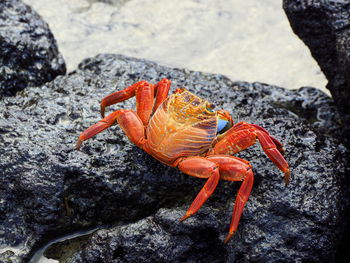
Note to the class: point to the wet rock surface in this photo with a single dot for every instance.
(48, 189)
(28, 51)
(324, 26)
(158, 238)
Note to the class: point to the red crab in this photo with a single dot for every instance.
(184, 131)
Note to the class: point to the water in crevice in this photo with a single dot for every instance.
(60, 249)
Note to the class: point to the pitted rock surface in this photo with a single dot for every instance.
(324, 26)
(28, 51)
(49, 189)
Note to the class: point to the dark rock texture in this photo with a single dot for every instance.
(28, 51)
(324, 26)
(158, 238)
(48, 189)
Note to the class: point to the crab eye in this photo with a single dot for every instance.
(180, 90)
(223, 125)
(210, 107)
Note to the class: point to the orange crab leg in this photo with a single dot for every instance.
(238, 138)
(162, 90)
(144, 101)
(241, 200)
(274, 154)
(235, 169)
(120, 96)
(278, 144)
(243, 135)
(128, 121)
(131, 123)
(230, 168)
(202, 168)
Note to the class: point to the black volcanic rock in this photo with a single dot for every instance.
(158, 238)
(48, 189)
(28, 51)
(324, 26)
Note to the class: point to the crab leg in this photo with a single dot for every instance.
(235, 169)
(243, 135)
(120, 96)
(202, 168)
(144, 101)
(162, 90)
(231, 169)
(274, 154)
(146, 94)
(128, 120)
(278, 144)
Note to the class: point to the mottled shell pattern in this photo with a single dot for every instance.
(183, 125)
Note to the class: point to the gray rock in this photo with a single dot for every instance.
(324, 26)
(48, 189)
(28, 51)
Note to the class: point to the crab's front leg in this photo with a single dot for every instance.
(243, 135)
(128, 120)
(132, 123)
(120, 96)
(145, 93)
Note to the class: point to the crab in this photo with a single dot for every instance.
(184, 131)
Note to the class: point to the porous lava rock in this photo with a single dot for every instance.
(48, 189)
(324, 26)
(28, 51)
